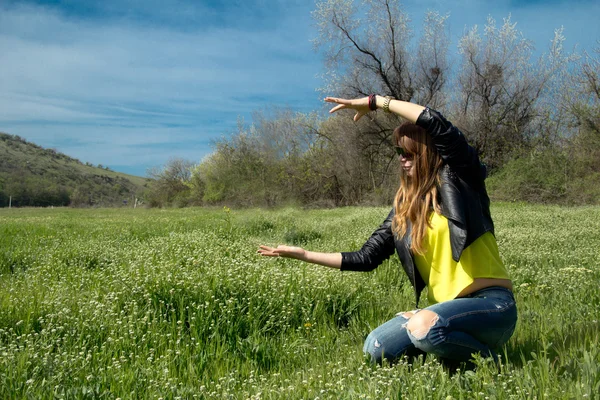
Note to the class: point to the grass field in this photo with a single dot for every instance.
(176, 304)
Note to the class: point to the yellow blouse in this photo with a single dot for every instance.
(445, 277)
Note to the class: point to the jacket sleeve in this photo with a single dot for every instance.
(451, 144)
(378, 248)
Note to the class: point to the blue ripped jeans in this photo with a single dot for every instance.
(478, 323)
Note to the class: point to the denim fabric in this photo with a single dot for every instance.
(478, 323)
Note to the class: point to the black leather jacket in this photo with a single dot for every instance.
(463, 197)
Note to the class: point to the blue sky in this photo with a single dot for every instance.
(131, 83)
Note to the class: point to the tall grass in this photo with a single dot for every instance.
(176, 304)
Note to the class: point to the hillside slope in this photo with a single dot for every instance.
(34, 176)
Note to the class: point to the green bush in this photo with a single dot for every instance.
(584, 190)
(541, 177)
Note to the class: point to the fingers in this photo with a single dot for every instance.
(342, 103)
(358, 116)
(280, 251)
(267, 251)
(336, 100)
(356, 104)
(336, 108)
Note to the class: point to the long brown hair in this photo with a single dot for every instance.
(417, 196)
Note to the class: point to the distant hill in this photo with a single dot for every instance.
(39, 177)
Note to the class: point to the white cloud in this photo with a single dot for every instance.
(119, 83)
(132, 72)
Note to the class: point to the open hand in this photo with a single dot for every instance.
(360, 105)
(282, 251)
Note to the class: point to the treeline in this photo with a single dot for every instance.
(31, 176)
(534, 121)
(88, 190)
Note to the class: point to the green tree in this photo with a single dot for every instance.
(501, 90)
(171, 185)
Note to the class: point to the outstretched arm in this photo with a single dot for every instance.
(379, 247)
(332, 260)
(447, 139)
(405, 109)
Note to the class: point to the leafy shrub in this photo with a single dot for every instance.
(540, 177)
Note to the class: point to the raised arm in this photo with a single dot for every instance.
(447, 139)
(450, 142)
(405, 109)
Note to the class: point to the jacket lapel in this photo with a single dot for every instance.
(408, 262)
(453, 208)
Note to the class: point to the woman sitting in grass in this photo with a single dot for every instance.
(442, 230)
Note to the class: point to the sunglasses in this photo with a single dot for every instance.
(403, 153)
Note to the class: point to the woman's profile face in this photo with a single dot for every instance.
(406, 160)
(407, 165)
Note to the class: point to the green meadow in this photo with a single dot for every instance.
(176, 304)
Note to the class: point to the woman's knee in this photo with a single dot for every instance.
(420, 324)
(388, 340)
(419, 330)
(373, 348)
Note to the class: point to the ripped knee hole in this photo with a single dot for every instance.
(420, 325)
